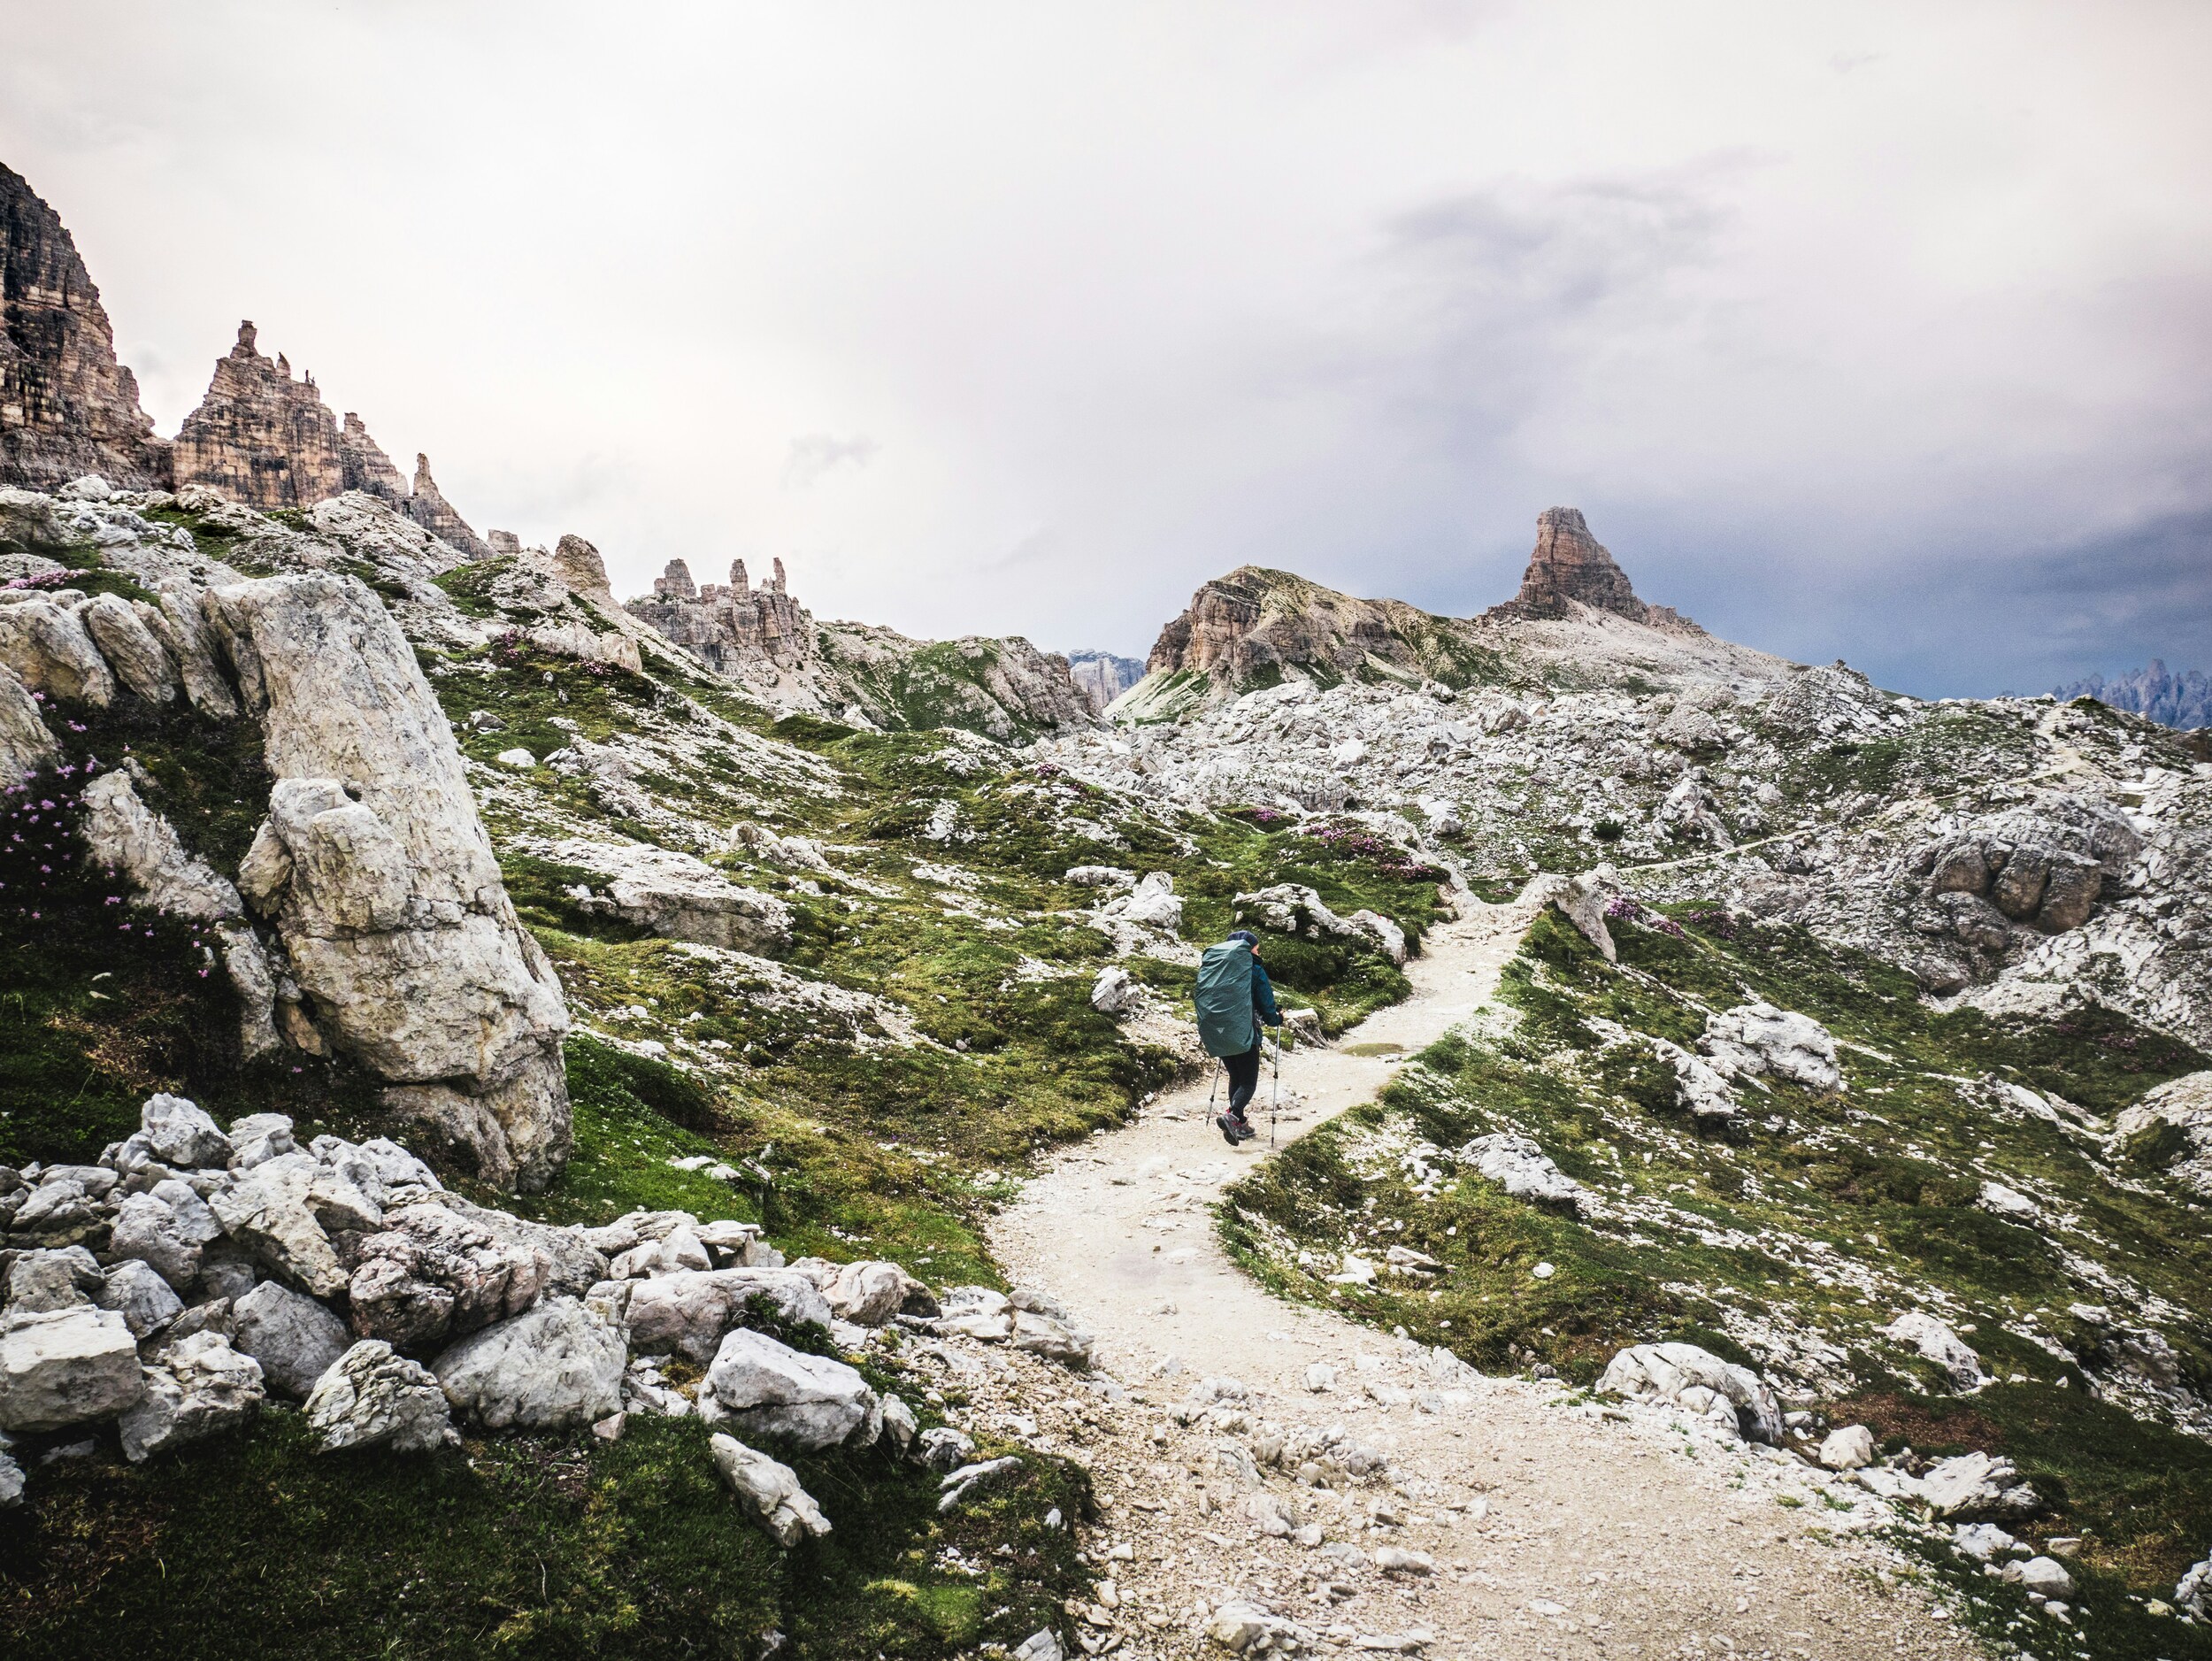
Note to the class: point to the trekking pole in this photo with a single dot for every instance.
(1275, 1102)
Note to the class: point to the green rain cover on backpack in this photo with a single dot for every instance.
(1224, 999)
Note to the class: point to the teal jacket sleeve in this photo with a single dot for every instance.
(1263, 998)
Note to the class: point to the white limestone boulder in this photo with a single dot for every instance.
(679, 896)
(689, 1313)
(179, 1133)
(870, 1292)
(1935, 1340)
(762, 1387)
(169, 1226)
(771, 1488)
(1971, 1487)
(382, 882)
(295, 1339)
(267, 1212)
(1849, 1447)
(373, 1396)
(65, 1367)
(25, 745)
(1734, 1397)
(431, 1274)
(1117, 992)
(199, 1386)
(1756, 1039)
(53, 1279)
(554, 1367)
(135, 1291)
(1524, 1171)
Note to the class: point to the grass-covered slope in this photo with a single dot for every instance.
(1789, 1239)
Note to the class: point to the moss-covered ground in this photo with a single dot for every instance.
(1791, 1237)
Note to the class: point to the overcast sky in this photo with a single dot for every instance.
(1878, 331)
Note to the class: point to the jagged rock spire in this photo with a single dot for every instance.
(1572, 567)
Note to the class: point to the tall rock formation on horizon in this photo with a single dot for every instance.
(429, 509)
(67, 408)
(1570, 567)
(1102, 677)
(268, 441)
(732, 627)
(262, 438)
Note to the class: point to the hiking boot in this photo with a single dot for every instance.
(1241, 1127)
(1228, 1128)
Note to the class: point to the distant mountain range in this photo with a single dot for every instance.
(2171, 700)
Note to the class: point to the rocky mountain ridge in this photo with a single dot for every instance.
(2182, 701)
(1576, 622)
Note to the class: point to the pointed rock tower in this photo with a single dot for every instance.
(1570, 567)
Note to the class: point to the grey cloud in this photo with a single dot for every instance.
(814, 454)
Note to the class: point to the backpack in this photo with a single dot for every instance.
(1224, 999)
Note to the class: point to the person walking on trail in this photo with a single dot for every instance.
(1233, 1000)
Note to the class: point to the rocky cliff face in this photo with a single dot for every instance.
(1102, 677)
(1571, 568)
(749, 634)
(66, 407)
(1253, 626)
(262, 438)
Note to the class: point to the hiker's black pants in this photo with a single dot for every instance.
(1244, 1078)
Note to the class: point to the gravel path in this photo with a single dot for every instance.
(1535, 1525)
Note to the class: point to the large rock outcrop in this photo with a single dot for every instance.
(1249, 626)
(265, 438)
(1570, 567)
(262, 438)
(66, 407)
(733, 628)
(429, 509)
(382, 883)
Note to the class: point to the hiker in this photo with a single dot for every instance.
(1233, 999)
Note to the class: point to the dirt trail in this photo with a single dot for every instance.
(1555, 1529)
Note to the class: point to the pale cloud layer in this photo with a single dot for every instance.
(1873, 330)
